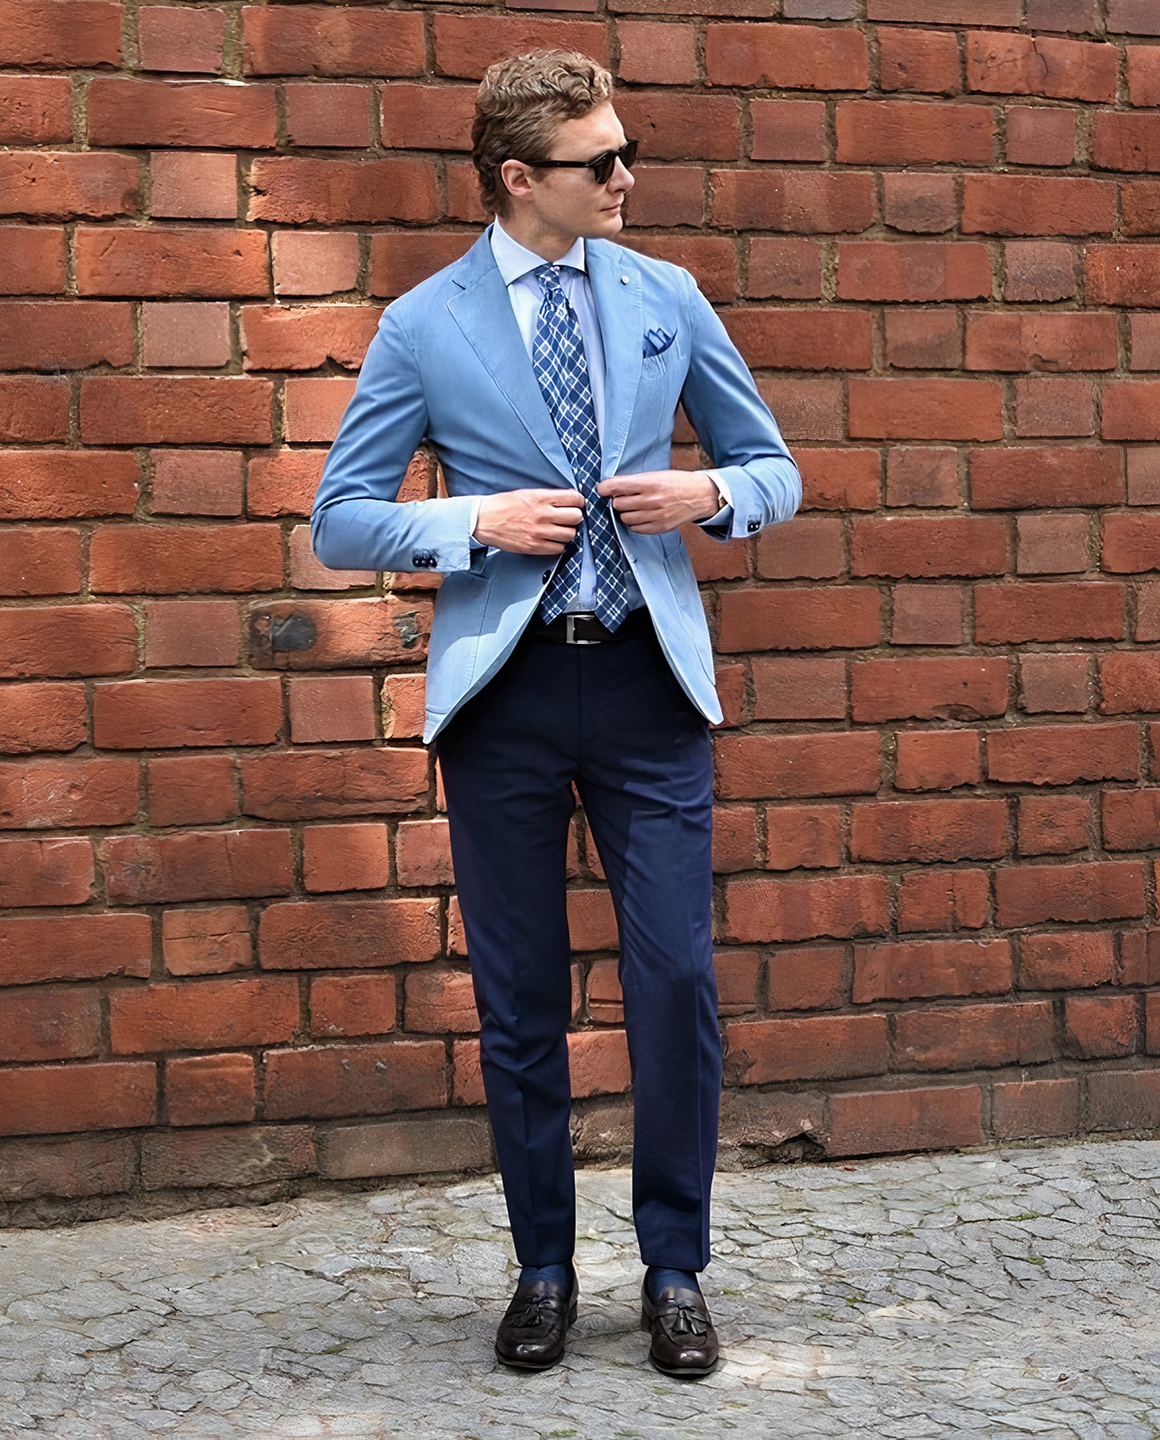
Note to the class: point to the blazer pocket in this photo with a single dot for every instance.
(656, 342)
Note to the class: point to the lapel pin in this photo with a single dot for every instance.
(624, 279)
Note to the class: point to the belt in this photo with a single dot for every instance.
(581, 627)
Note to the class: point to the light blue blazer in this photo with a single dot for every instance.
(448, 365)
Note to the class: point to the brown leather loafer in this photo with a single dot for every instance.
(684, 1343)
(532, 1333)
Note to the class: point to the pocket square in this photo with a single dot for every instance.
(656, 341)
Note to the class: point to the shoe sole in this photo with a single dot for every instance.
(541, 1364)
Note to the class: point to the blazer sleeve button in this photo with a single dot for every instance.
(753, 525)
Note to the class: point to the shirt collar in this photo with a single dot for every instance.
(515, 261)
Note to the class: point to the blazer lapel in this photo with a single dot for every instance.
(483, 312)
(621, 311)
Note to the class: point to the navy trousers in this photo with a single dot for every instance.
(612, 720)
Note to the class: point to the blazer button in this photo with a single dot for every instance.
(753, 525)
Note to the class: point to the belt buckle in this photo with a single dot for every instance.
(570, 637)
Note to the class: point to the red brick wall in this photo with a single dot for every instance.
(230, 937)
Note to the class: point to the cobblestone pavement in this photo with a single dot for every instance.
(988, 1294)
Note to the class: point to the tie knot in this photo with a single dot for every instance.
(549, 278)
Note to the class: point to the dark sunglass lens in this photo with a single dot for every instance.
(603, 167)
(628, 154)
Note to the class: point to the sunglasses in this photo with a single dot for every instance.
(602, 167)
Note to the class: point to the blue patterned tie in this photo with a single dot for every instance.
(562, 370)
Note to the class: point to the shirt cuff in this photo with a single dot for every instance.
(476, 505)
(724, 516)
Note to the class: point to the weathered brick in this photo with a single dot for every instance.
(1047, 340)
(144, 410)
(33, 259)
(808, 1048)
(974, 1036)
(36, 948)
(809, 979)
(1062, 754)
(83, 639)
(1093, 891)
(1054, 683)
(192, 790)
(313, 784)
(198, 865)
(928, 830)
(124, 111)
(1131, 819)
(913, 270)
(898, 409)
(207, 942)
(42, 717)
(40, 562)
(789, 766)
(166, 714)
(924, 969)
(207, 1015)
(902, 132)
(1010, 614)
(104, 1165)
(944, 900)
(68, 184)
(803, 837)
(46, 794)
(1054, 824)
(1041, 65)
(926, 61)
(959, 688)
(799, 57)
(221, 1156)
(875, 1122)
(810, 203)
(188, 41)
(329, 934)
(937, 759)
(799, 689)
(355, 1079)
(352, 1004)
(758, 911)
(1099, 1026)
(101, 1095)
(1053, 544)
(845, 617)
(1066, 960)
(296, 190)
(1037, 205)
(927, 615)
(210, 1090)
(1040, 475)
(1040, 136)
(1026, 1109)
(35, 109)
(321, 40)
(811, 339)
(924, 546)
(49, 1024)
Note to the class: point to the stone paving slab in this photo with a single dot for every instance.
(1003, 1293)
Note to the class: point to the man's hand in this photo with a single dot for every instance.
(660, 500)
(530, 522)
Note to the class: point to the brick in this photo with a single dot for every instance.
(399, 262)
(124, 111)
(806, 619)
(315, 784)
(423, 853)
(819, 9)
(334, 934)
(652, 54)
(295, 190)
(32, 258)
(1129, 682)
(440, 1002)
(226, 1157)
(713, 560)
(283, 482)
(1145, 332)
(192, 186)
(925, 547)
(926, 61)
(802, 340)
(924, 969)
(345, 857)
(929, 830)
(1123, 141)
(334, 707)
(466, 45)
(280, 337)
(1132, 17)
(798, 57)
(974, 1036)
(884, 1122)
(1131, 819)
(591, 920)
(319, 40)
(49, 1024)
(598, 1063)
(325, 634)
(62, 186)
(925, 409)
(803, 837)
(682, 127)
(463, 202)
(1062, 754)
(1039, 270)
(197, 482)
(937, 759)
(1014, 478)
(734, 839)
(759, 911)
(946, 12)
(1099, 1026)
(404, 706)
(1041, 65)
(806, 409)
(36, 948)
(924, 339)
(786, 268)
(187, 41)
(1143, 75)
(759, 1052)
(903, 132)
(1130, 410)
(1066, 960)
(736, 973)
(102, 1095)
(191, 632)
(1039, 136)
(186, 335)
(210, 1090)
(810, 979)
(352, 1005)
(192, 790)
(315, 263)
(811, 549)
(927, 615)
(1143, 475)
(329, 115)
(1148, 612)
(1053, 824)
(355, 1079)
(78, 32)
(605, 999)
(30, 1169)
(313, 409)
(1049, 340)
(791, 766)
(1140, 200)
(1054, 683)
(212, 1014)
(1027, 1109)
(426, 117)
(922, 476)
(959, 688)
(40, 562)
(1076, 16)
(839, 479)
(67, 640)
(1091, 891)
(33, 410)
(136, 410)
(920, 204)
(198, 865)
(1052, 544)
(47, 794)
(1123, 1100)
(171, 261)
(35, 109)
(944, 900)
(1139, 958)
(46, 716)
(1062, 611)
(165, 714)
(1054, 407)
(913, 270)
(809, 203)
(710, 259)
(799, 689)
(1033, 205)
(406, 1147)
(207, 942)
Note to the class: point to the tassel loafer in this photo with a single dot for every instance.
(532, 1333)
(684, 1342)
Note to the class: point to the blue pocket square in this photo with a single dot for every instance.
(656, 341)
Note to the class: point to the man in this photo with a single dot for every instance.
(569, 646)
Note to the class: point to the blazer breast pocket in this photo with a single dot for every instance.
(656, 342)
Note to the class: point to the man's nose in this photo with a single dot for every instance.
(622, 177)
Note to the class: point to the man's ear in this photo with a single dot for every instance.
(516, 177)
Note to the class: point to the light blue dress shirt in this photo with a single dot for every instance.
(517, 265)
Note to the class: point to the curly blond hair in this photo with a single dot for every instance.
(518, 107)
